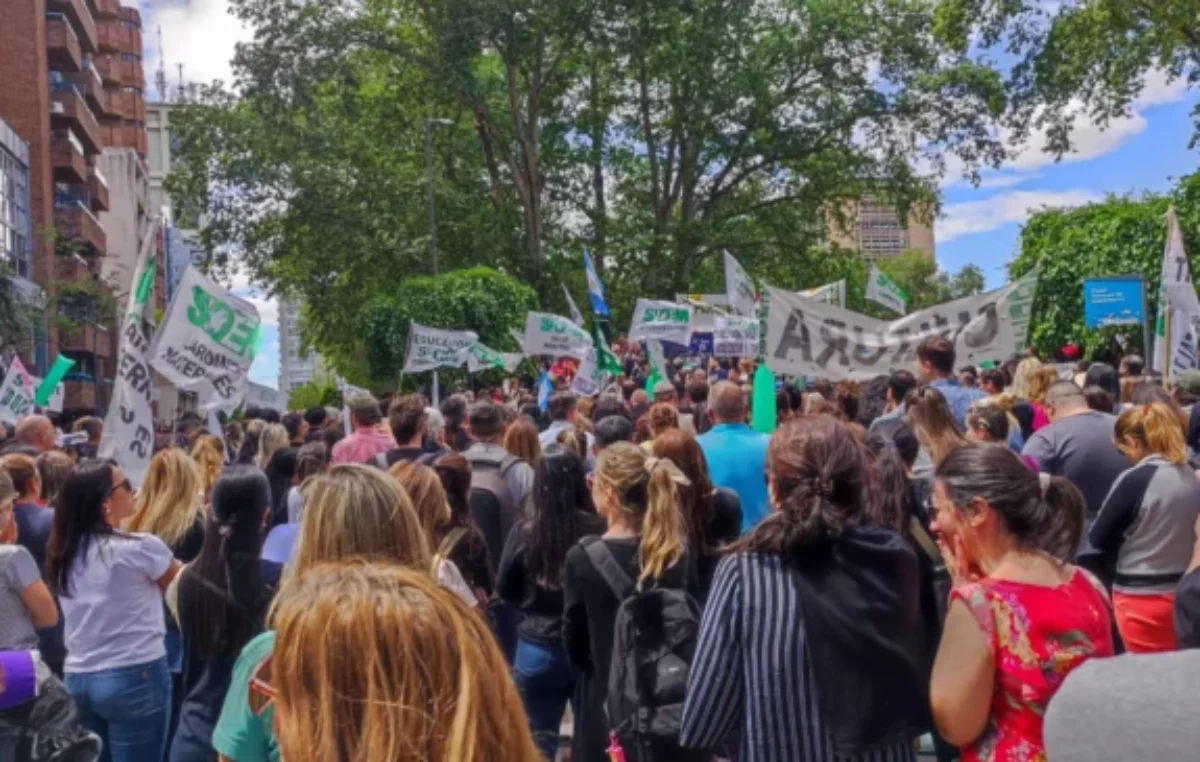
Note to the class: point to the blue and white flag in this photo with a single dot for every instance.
(576, 315)
(595, 287)
(545, 389)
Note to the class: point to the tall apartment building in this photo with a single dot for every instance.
(71, 88)
(873, 227)
(296, 367)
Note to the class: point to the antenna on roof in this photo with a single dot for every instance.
(160, 78)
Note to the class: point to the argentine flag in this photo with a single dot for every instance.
(595, 287)
(545, 389)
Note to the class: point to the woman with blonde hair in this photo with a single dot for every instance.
(351, 511)
(1023, 378)
(424, 681)
(931, 419)
(521, 440)
(638, 497)
(209, 454)
(663, 417)
(170, 504)
(1147, 525)
(1039, 382)
(273, 439)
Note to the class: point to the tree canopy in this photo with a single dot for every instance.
(654, 134)
(1120, 236)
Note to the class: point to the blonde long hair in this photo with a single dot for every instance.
(1023, 378)
(169, 503)
(647, 490)
(377, 662)
(273, 439)
(1155, 428)
(355, 511)
(428, 497)
(209, 454)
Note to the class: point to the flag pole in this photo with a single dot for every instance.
(1167, 340)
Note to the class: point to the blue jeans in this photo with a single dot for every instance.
(544, 678)
(128, 708)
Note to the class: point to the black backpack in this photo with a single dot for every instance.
(654, 641)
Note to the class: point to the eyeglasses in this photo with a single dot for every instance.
(125, 485)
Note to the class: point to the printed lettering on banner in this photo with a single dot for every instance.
(430, 348)
(884, 291)
(481, 357)
(128, 434)
(735, 336)
(806, 338)
(208, 342)
(588, 377)
(665, 321)
(555, 336)
(739, 287)
(16, 394)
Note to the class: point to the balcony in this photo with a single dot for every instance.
(106, 8)
(79, 395)
(85, 339)
(115, 37)
(77, 224)
(121, 135)
(128, 104)
(63, 50)
(98, 190)
(88, 82)
(80, 18)
(115, 71)
(67, 159)
(68, 110)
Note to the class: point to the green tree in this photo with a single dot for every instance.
(1120, 236)
(315, 394)
(967, 282)
(1086, 57)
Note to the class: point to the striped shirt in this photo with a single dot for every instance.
(752, 676)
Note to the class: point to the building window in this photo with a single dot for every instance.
(15, 231)
(879, 229)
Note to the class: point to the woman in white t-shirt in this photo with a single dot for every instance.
(110, 585)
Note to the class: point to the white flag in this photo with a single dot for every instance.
(481, 357)
(208, 342)
(665, 321)
(16, 394)
(128, 434)
(430, 348)
(1175, 289)
(881, 289)
(739, 287)
(555, 336)
(576, 315)
(831, 293)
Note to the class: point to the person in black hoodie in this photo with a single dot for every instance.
(811, 646)
(531, 575)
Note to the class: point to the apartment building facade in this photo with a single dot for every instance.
(874, 227)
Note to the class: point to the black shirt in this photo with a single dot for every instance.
(588, 618)
(412, 455)
(542, 607)
(724, 528)
(1187, 610)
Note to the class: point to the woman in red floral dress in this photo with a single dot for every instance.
(1020, 617)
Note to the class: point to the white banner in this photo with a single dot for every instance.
(735, 337)
(480, 357)
(430, 348)
(208, 342)
(261, 396)
(881, 289)
(665, 321)
(576, 315)
(128, 434)
(831, 293)
(807, 338)
(1175, 289)
(588, 377)
(55, 403)
(552, 335)
(16, 393)
(739, 287)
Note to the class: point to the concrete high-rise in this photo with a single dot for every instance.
(873, 227)
(296, 367)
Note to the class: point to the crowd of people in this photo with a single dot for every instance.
(945, 553)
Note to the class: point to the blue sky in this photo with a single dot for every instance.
(980, 225)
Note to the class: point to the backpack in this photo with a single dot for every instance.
(493, 507)
(654, 640)
(381, 462)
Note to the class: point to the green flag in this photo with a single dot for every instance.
(763, 413)
(62, 366)
(605, 359)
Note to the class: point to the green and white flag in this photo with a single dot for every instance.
(481, 357)
(1177, 291)
(576, 315)
(881, 289)
(665, 321)
(554, 336)
(658, 365)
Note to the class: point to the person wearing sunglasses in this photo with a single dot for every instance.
(110, 585)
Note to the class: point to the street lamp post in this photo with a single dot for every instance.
(433, 252)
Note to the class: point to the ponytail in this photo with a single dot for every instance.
(662, 524)
(1063, 512)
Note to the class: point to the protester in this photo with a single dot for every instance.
(1187, 601)
(110, 586)
(271, 439)
(94, 428)
(1023, 378)
(500, 482)
(367, 441)
(209, 455)
(432, 506)
(315, 417)
(563, 410)
(935, 359)
(835, 641)
(1078, 445)
(454, 412)
(638, 496)
(37, 432)
(987, 423)
(435, 432)
(929, 415)
(415, 648)
(1040, 380)
(409, 422)
(1106, 377)
(992, 382)
(736, 454)
(712, 517)
(26, 605)
(522, 440)
(662, 418)
(297, 428)
(610, 430)
(1145, 527)
(899, 384)
(351, 512)
(531, 579)
(697, 393)
(170, 504)
(1131, 373)
(1098, 399)
(1020, 619)
(222, 604)
(53, 469)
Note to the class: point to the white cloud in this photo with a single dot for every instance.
(199, 34)
(973, 217)
(1006, 180)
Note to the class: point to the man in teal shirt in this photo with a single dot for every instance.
(736, 453)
